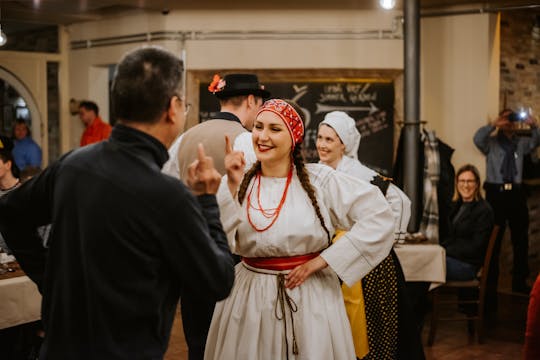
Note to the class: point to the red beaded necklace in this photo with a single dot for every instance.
(267, 213)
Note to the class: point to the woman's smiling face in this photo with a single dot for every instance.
(467, 186)
(271, 139)
(329, 146)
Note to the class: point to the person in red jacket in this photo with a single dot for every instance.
(532, 331)
(96, 129)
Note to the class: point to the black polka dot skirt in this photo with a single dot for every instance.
(381, 304)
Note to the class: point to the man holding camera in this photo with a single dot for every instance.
(504, 151)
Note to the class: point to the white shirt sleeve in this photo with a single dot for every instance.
(230, 212)
(360, 208)
(171, 167)
(401, 208)
(244, 143)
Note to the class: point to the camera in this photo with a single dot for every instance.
(517, 118)
(520, 115)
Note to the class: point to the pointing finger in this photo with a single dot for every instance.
(201, 153)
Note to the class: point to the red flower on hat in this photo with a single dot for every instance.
(217, 84)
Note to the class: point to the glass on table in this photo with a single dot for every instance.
(5, 259)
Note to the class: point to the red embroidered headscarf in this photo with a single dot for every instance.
(289, 116)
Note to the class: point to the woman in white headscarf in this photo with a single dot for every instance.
(338, 141)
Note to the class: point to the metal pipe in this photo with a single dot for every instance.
(411, 89)
(481, 10)
(378, 34)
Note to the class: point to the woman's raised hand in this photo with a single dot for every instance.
(234, 165)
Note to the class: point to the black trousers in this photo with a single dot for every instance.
(196, 318)
(510, 207)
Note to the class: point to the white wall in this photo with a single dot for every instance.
(281, 52)
(460, 80)
(459, 67)
(98, 89)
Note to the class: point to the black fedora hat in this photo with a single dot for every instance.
(237, 84)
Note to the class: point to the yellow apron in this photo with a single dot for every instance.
(354, 304)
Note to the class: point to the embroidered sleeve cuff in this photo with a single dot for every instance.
(346, 261)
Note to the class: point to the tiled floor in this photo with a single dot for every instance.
(504, 336)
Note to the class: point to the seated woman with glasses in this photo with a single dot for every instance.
(470, 224)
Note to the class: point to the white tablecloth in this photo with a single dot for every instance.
(20, 302)
(422, 262)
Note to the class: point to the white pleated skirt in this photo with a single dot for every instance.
(245, 326)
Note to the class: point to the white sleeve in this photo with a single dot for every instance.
(244, 143)
(360, 208)
(401, 208)
(230, 211)
(171, 167)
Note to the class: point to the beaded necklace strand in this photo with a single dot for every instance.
(267, 213)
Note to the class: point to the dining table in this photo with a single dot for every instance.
(422, 262)
(424, 269)
(20, 300)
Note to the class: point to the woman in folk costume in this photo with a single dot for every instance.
(280, 216)
(383, 295)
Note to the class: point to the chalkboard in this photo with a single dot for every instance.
(369, 102)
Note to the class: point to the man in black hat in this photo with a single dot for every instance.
(240, 97)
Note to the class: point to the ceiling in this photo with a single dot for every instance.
(22, 14)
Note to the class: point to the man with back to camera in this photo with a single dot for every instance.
(125, 238)
(504, 152)
(95, 128)
(240, 97)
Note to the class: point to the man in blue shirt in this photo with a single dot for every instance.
(504, 151)
(26, 152)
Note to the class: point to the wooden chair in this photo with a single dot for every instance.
(479, 283)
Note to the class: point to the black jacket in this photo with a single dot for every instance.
(467, 238)
(125, 240)
(445, 187)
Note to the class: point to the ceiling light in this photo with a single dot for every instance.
(3, 37)
(387, 4)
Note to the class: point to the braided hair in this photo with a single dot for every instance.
(301, 171)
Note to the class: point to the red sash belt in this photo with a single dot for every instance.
(279, 263)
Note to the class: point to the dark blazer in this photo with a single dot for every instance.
(467, 238)
(125, 240)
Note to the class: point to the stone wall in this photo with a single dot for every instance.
(520, 87)
(520, 62)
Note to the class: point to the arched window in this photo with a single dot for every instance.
(17, 103)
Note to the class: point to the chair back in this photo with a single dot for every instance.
(485, 273)
(480, 284)
(489, 254)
